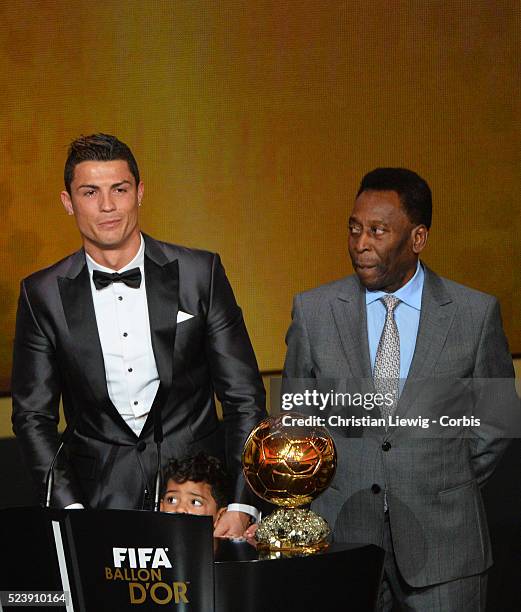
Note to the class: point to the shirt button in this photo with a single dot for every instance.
(130, 369)
(120, 298)
(125, 334)
(376, 489)
(386, 446)
(136, 403)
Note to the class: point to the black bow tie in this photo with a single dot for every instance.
(131, 278)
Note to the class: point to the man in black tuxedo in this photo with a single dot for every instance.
(124, 327)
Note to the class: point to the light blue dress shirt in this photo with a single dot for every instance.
(406, 315)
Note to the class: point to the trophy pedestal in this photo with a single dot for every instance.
(292, 531)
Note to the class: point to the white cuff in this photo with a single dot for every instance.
(251, 510)
(75, 506)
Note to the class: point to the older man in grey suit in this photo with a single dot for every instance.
(396, 320)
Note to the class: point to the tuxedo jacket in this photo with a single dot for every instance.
(436, 512)
(57, 354)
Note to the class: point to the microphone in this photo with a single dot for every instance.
(49, 480)
(158, 438)
(157, 482)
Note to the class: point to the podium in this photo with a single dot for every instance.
(110, 560)
(343, 577)
(117, 560)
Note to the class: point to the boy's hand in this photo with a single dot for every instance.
(249, 534)
(232, 524)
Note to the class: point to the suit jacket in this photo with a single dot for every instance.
(436, 511)
(57, 353)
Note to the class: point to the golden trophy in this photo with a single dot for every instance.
(289, 466)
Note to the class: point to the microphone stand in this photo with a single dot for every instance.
(158, 438)
(49, 480)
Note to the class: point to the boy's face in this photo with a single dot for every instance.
(191, 498)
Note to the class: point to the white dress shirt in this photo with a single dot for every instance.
(124, 333)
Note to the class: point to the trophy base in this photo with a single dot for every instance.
(293, 531)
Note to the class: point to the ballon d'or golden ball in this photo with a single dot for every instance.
(288, 465)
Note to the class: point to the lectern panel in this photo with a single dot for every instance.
(141, 560)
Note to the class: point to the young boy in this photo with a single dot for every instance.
(195, 485)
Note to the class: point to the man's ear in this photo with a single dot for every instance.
(67, 202)
(419, 238)
(220, 512)
(140, 192)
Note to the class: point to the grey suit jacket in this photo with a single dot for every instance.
(436, 511)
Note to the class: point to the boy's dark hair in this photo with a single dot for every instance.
(414, 192)
(97, 147)
(199, 468)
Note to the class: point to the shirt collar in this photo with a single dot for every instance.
(410, 293)
(137, 262)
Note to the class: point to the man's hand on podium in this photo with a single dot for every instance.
(232, 524)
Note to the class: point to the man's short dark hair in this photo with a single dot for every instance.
(97, 147)
(414, 192)
(199, 468)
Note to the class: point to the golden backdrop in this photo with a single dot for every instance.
(253, 122)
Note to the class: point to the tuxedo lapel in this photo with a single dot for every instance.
(76, 297)
(162, 287)
(350, 316)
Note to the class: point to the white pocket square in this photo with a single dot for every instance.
(183, 316)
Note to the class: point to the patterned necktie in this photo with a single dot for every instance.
(131, 278)
(387, 363)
